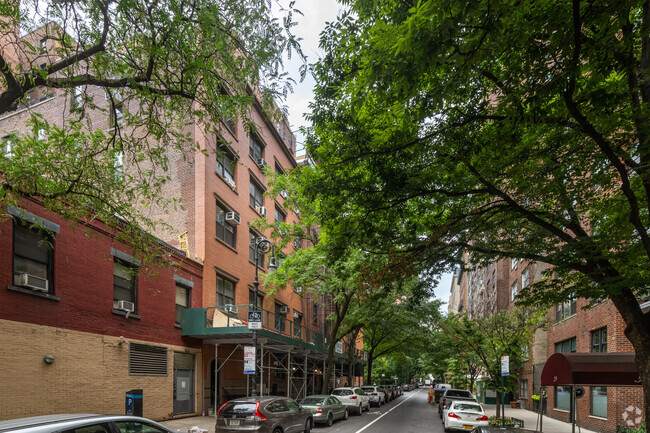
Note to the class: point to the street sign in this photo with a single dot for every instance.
(338, 348)
(505, 366)
(249, 360)
(254, 320)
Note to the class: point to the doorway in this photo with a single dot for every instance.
(183, 383)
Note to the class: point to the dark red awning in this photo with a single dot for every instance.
(604, 369)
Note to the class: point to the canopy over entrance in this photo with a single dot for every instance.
(605, 369)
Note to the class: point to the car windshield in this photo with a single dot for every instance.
(237, 408)
(468, 407)
(451, 393)
(312, 400)
(342, 392)
(368, 388)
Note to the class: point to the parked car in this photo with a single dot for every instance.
(438, 390)
(453, 394)
(266, 414)
(375, 393)
(463, 415)
(354, 398)
(387, 394)
(391, 391)
(65, 423)
(325, 408)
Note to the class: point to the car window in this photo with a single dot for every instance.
(312, 400)
(359, 391)
(468, 407)
(368, 389)
(239, 409)
(95, 428)
(335, 400)
(137, 427)
(342, 392)
(278, 406)
(293, 406)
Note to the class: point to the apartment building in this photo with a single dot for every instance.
(83, 322)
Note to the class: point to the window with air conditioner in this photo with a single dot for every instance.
(280, 317)
(226, 164)
(125, 283)
(255, 148)
(226, 231)
(256, 198)
(182, 300)
(225, 292)
(33, 254)
(280, 216)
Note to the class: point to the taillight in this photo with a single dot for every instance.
(452, 415)
(354, 397)
(483, 418)
(319, 410)
(221, 408)
(374, 393)
(444, 400)
(258, 414)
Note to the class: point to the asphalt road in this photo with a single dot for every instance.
(409, 413)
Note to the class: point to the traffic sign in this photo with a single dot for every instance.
(249, 360)
(505, 366)
(254, 320)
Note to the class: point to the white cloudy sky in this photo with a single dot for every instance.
(316, 14)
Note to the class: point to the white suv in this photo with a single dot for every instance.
(354, 398)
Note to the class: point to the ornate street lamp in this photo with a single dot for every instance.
(262, 246)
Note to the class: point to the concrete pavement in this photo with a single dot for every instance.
(530, 418)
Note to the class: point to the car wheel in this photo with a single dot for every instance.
(330, 420)
(368, 407)
(346, 414)
(308, 425)
(277, 430)
(360, 409)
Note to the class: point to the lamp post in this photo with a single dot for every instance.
(261, 246)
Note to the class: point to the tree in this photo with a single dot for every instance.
(153, 70)
(503, 129)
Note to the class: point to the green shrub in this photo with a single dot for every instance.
(496, 422)
(641, 428)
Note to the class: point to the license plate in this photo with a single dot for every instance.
(468, 427)
(234, 422)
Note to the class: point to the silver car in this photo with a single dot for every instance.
(375, 393)
(266, 414)
(354, 398)
(70, 423)
(325, 408)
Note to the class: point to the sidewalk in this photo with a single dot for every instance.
(549, 425)
(182, 424)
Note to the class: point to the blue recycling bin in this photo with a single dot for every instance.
(133, 402)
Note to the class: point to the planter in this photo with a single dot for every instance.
(514, 404)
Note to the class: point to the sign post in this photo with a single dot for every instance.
(505, 371)
(249, 359)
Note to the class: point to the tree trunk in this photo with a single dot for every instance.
(369, 367)
(327, 374)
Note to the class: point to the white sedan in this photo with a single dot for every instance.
(356, 400)
(463, 415)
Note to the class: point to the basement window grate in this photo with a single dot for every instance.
(146, 360)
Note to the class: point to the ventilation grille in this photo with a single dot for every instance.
(147, 360)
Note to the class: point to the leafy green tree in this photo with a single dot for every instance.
(152, 71)
(499, 128)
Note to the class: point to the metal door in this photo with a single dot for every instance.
(183, 383)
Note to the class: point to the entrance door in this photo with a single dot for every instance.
(183, 383)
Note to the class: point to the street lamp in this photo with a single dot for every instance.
(262, 246)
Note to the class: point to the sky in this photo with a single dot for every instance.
(316, 14)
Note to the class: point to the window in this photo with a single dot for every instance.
(279, 215)
(314, 317)
(225, 292)
(565, 310)
(562, 397)
(525, 278)
(33, 256)
(599, 340)
(296, 244)
(118, 162)
(117, 115)
(513, 290)
(77, 99)
(93, 428)
(147, 360)
(280, 318)
(8, 145)
(256, 196)
(260, 299)
(43, 45)
(125, 282)
(566, 346)
(226, 164)
(598, 401)
(40, 134)
(523, 388)
(182, 301)
(253, 238)
(297, 325)
(225, 231)
(514, 263)
(278, 169)
(255, 148)
(137, 426)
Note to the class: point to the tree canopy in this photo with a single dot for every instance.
(506, 129)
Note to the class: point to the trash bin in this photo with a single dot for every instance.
(133, 402)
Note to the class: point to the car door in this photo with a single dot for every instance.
(297, 416)
(337, 407)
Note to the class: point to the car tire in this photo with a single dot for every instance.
(346, 414)
(308, 425)
(360, 409)
(277, 430)
(368, 407)
(330, 420)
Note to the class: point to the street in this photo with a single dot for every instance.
(409, 413)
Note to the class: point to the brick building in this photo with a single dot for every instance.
(70, 344)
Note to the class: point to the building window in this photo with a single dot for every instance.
(565, 310)
(514, 263)
(182, 301)
(278, 169)
(525, 278)
(523, 388)
(8, 145)
(125, 282)
(226, 165)
(117, 114)
(77, 98)
(32, 257)
(253, 238)
(279, 215)
(297, 326)
(256, 196)
(314, 315)
(225, 231)
(513, 291)
(562, 397)
(260, 299)
(599, 340)
(598, 401)
(255, 148)
(280, 317)
(296, 244)
(225, 292)
(43, 45)
(566, 346)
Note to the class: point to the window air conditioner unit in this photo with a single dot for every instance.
(260, 162)
(284, 194)
(285, 310)
(232, 218)
(31, 281)
(125, 306)
(262, 211)
(231, 308)
(231, 183)
(297, 289)
(296, 314)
